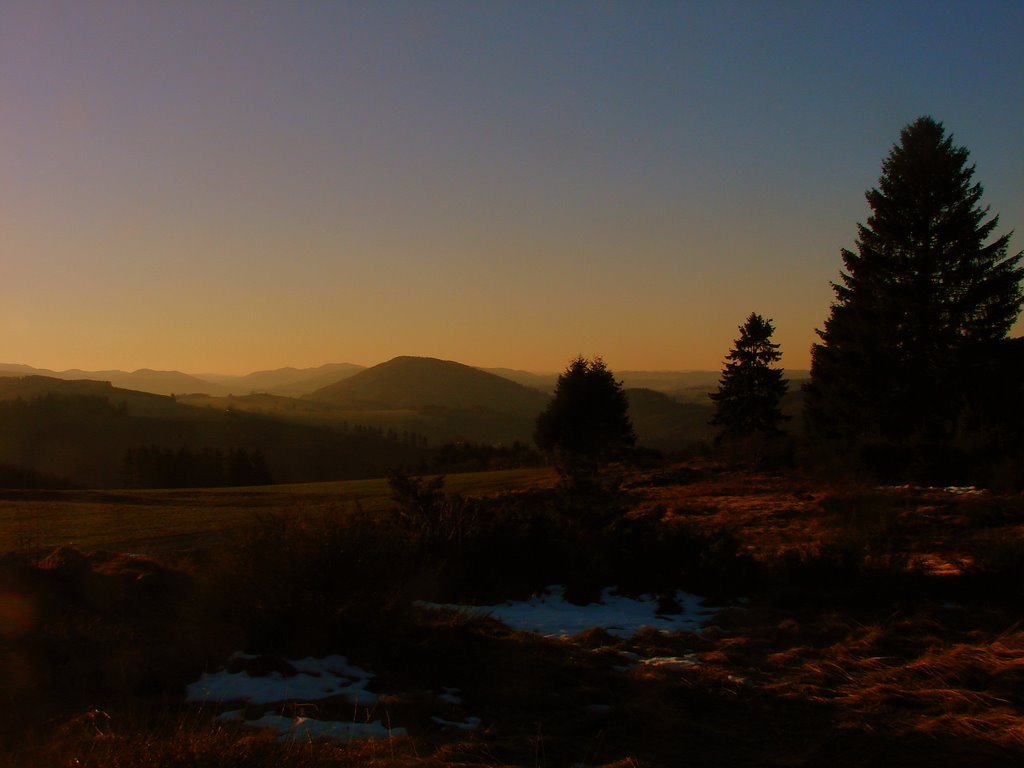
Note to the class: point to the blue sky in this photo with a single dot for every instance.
(229, 186)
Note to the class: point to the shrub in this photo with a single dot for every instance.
(294, 580)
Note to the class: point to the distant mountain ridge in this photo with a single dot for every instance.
(289, 382)
(142, 380)
(300, 382)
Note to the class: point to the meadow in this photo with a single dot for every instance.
(164, 521)
(843, 624)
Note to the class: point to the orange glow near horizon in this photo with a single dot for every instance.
(212, 188)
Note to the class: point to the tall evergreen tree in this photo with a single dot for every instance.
(921, 306)
(749, 393)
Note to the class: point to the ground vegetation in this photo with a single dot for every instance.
(851, 624)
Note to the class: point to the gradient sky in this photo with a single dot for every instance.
(222, 186)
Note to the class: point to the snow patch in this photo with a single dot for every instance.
(956, 490)
(314, 679)
(450, 696)
(551, 615)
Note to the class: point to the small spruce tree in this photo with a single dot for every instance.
(749, 393)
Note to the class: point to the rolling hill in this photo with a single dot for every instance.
(666, 424)
(425, 382)
(444, 400)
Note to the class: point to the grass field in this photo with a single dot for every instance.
(164, 521)
(851, 625)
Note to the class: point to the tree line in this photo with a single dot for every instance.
(158, 467)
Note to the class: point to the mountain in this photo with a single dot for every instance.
(142, 380)
(439, 399)
(142, 404)
(668, 381)
(687, 386)
(11, 369)
(666, 424)
(147, 380)
(424, 382)
(288, 382)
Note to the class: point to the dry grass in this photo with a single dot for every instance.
(882, 628)
(938, 672)
(163, 522)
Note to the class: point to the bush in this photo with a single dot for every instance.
(290, 583)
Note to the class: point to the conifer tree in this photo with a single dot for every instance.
(749, 393)
(923, 305)
(587, 420)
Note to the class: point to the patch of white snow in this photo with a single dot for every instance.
(315, 679)
(551, 615)
(450, 696)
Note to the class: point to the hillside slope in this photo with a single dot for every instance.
(142, 380)
(444, 400)
(287, 382)
(84, 430)
(425, 382)
(666, 424)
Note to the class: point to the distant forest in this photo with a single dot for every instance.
(89, 441)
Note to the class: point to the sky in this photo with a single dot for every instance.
(228, 186)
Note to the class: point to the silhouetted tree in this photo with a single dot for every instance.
(921, 307)
(587, 420)
(750, 390)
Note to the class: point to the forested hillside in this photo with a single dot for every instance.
(94, 435)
